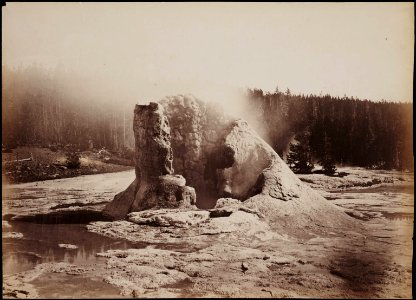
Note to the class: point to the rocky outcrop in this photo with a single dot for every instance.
(155, 185)
(197, 129)
(223, 157)
(188, 152)
(169, 217)
(152, 136)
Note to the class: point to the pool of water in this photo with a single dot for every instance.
(40, 244)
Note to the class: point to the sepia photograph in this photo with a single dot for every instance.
(207, 149)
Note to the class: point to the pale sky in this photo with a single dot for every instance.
(153, 50)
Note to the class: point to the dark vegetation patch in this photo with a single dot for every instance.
(379, 133)
(28, 164)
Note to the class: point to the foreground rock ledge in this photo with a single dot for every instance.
(189, 154)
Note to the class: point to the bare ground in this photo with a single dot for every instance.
(240, 255)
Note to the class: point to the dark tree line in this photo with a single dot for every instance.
(41, 107)
(347, 131)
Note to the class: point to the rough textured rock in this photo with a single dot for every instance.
(248, 156)
(155, 185)
(169, 217)
(121, 205)
(188, 228)
(152, 135)
(136, 276)
(225, 207)
(218, 157)
(223, 157)
(197, 129)
(227, 203)
(168, 191)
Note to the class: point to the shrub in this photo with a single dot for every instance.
(73, 160)
(53, 148)
(328, 166)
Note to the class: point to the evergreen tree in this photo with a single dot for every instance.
(327, 161)
(299, 158)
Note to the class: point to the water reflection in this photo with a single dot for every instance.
(40, 245)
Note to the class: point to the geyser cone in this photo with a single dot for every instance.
(214, 156)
